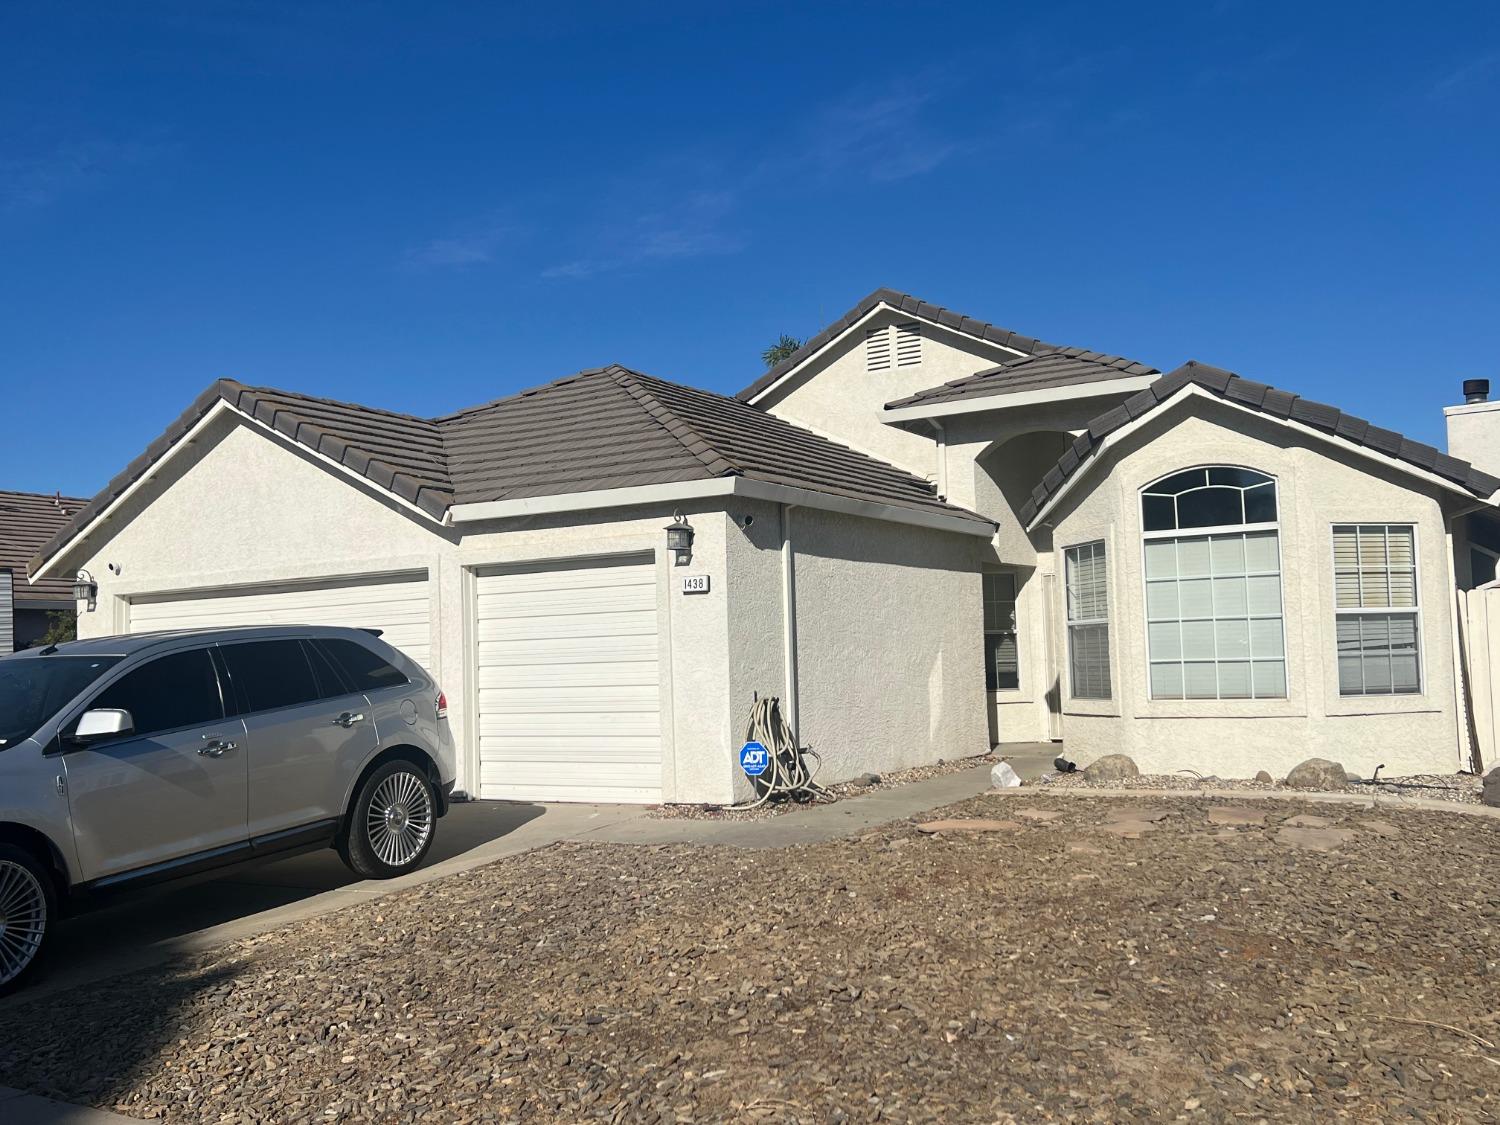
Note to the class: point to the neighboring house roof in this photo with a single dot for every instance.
(607, 428)
(1264, 399)
(1043, 370)
(901, 302)
(27, 520)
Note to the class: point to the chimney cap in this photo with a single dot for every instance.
(1476, 390)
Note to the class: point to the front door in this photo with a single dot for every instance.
(175, 786)
(308, 733)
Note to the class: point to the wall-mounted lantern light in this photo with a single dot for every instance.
(680, 539)
(85, 589)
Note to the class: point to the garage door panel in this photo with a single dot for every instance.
(587, 725)
(547, 580)
(640, 673)
(399, 606)
(630, 623)
(567, 650)
(510, 606)
(569, 689)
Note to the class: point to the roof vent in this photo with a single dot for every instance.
(877, 349)
(1476, 390)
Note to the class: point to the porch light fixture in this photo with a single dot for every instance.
(85, 589)
(680, 539)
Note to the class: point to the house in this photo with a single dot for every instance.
(518, 551)
(1195, 569)
(925, 533)
(27, 520)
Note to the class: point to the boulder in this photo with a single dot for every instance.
(1318, 773)
(1112, 767)
(1265, 778)
(1491, 793)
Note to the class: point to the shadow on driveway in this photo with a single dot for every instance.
(173, 911)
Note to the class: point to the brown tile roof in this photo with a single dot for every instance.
(1267, 400)
(1043, 370)
(600, 429)
(903, 302)
(27, 520)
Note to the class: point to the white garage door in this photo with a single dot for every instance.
(569, 690)
(397, 604)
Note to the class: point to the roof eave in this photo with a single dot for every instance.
(1005, 400)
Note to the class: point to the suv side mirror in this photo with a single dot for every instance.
(102, 723)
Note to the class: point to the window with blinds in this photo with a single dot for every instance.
(1375, 599)
(877, 349)
(1214, 626)
(1087, 589)
(1002, 666)
(908, 344)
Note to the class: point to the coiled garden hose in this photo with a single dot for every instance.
(791, 768)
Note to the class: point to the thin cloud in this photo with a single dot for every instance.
(475, 248)
(1469, 74)
(34, 182)
(693, 228)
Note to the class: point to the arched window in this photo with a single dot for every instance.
(1213, 585)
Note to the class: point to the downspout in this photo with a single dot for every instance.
(942, 457)
(789, 621)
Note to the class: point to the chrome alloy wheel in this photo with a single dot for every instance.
(400, 819)
(23, 919)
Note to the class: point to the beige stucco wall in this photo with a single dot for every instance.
(889, 643)
(242, 508)
(835, 396)
(1318, 486)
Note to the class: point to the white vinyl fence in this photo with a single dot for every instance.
(1479, 622)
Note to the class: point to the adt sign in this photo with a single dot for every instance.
(754, 759)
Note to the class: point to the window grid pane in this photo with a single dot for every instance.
(1087, 593)
(1213, 617)
(1375, 568)
(1002, 664)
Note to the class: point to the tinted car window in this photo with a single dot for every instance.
(180, 690)
(365, 669)
(331, 680)
(32, 691)
(268, 675)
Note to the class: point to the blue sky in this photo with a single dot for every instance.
(423, 206)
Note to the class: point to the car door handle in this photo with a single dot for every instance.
(348, 719)
(214, 746)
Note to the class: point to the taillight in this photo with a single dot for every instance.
(442, 704)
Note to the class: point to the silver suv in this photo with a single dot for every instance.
(129, 760)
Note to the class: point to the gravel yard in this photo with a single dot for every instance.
(1086, 959)
(1461, 787)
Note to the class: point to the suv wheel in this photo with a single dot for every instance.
(27, 909)
(390, 823)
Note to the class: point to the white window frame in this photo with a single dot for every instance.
(1198, 532)
(1015, 630)
(1380, 611)
(1069, 623)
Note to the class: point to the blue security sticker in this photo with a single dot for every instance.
(754, 759)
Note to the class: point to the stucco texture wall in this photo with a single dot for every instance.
(889, 643)
(1318, 486)
(834, 395)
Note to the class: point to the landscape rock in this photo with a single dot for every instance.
(1236, 816)
(1265, 778)
(1318, 773)
(1112, 767)
(865, 780)
(931, 827)
(1491, 795)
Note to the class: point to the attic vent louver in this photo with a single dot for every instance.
(908, 344)
(877, 349)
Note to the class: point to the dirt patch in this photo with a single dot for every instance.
(1052, 972)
